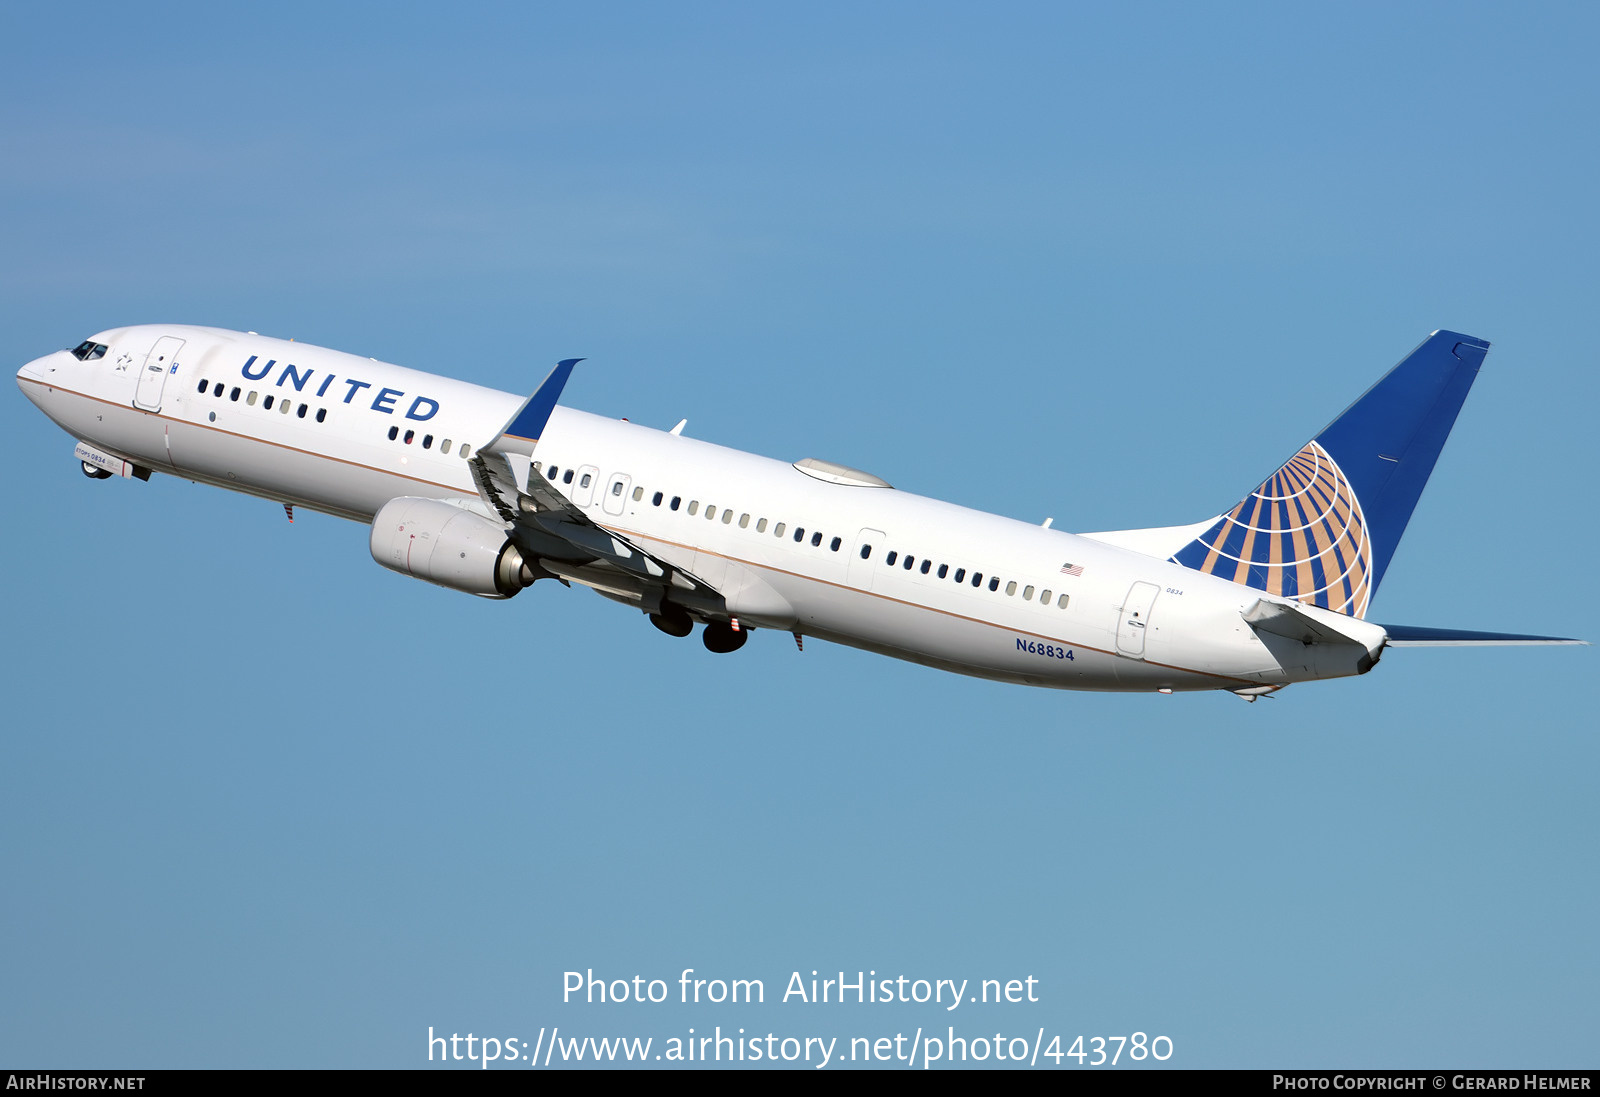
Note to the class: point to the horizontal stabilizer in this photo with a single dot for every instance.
(1290, 621)
(1414, 636)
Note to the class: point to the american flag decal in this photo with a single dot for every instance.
(1071, 569)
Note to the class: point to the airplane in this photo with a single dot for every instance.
(486, 493)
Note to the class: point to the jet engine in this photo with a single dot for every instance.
(433, 540)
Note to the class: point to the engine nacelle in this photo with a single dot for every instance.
(440, 543)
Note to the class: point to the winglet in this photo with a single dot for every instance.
(521, 434)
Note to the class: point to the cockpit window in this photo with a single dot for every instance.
(89, 350)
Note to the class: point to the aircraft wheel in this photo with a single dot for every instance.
(94, 473)
(722, 639)
(673, 624)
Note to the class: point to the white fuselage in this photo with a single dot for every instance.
(346, 434)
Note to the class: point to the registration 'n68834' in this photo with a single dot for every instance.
(1049, 651)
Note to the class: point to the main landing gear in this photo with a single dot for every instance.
(720, 637)
(673, 622)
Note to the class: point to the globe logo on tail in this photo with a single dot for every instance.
(1300, 535)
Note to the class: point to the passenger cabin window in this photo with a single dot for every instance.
(554, 471)
(233, 394)
(251, 399)
(761, 525)
(394, 432)
(638, 493)
(744, 521)
(694, 507)
(711, 513)
(727, 516)
(444, 447)
(655, 501)
(909, 561)
(1044, 597)
(204, 384)
(1027, 594)
(302, 414)
(1011, 588)
(586, 481)
(466, 450)
(218, 390)
(799, 534)
(833, 545)
(777, 530)
(866, 552)
(994, 584)
(926, 564)
(322, 415)
(816, 540)
(1063, 602)
(267, 403)
(566, 477)
(427, 439)
(410, 434)
(616, 489)
(891, 558)
(961, 573)
(676, 499)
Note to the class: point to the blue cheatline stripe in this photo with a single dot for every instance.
(531, 420)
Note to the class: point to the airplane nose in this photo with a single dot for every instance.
(39, 368)
(32, 374)
(24, 376)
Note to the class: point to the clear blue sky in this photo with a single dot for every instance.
(263, 803)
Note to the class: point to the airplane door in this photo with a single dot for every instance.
(583, 488)
(159, 364)
(867, 556)
(1135, 619)
(616, 496)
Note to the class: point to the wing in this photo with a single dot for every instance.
(546, 525)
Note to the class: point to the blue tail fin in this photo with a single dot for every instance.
(1323, 528)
